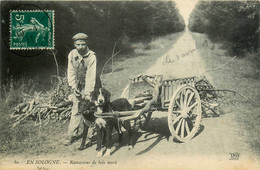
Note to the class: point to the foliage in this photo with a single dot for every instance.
(109, 22)
(236, 23)
(106, 23)
(12, 91)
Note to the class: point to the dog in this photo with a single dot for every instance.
(88, 110)
(105, 125)
(122, 104)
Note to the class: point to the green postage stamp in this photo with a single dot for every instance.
(32, 29)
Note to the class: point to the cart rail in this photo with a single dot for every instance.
(170, 86)
(122, 116)
(116, 114)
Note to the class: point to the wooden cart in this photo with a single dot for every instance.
(177, 96)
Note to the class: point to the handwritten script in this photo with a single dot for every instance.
(168, 59)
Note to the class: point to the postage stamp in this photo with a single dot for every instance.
(32, 29)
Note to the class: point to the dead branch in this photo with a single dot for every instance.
(210, 109)
(111, 72)
(232, 91)
(63, 113)
(111, 58)
(64, 104)
(56, 62)
(219, 66)
(24, 117)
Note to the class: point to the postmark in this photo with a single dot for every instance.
(32, 29)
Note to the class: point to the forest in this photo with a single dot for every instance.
(106, 23)
(235, 23)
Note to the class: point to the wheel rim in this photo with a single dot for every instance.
(184, 113)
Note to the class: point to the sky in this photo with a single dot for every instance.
(185, 7)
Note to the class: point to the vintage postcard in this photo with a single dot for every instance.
(130, 85)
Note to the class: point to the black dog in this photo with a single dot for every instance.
(120, 105)
(88, 109)
(105, 125)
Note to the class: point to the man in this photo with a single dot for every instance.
(82, 78)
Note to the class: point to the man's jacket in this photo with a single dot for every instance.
(82, 70)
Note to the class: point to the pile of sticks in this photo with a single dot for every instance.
(43, 107)
(210, 97)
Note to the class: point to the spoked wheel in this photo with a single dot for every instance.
(184, 113)
(144, 119)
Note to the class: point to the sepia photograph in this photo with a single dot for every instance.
(143, 84)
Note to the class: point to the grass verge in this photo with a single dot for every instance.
(243, 76)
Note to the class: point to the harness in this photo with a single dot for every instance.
(115, 115)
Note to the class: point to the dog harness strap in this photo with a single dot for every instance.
(87, 122)
(119, 127)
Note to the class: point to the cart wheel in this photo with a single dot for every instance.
(184, 113)
(144, 119)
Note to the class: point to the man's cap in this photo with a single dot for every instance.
(79, 36)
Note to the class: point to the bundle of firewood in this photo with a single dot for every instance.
(43, 107)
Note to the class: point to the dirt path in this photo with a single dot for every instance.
(210, 149)
(182, 60)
